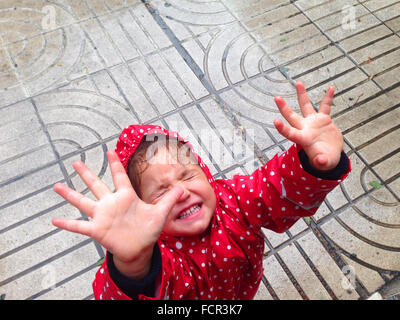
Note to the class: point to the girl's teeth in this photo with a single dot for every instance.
(189, 211)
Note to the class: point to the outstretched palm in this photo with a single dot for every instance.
(315, 131)
(120, 221)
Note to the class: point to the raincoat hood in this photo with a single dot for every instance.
(132, 136)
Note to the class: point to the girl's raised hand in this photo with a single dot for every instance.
(314, 131)
(120, 221)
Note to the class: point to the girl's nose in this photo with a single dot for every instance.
(185, 194)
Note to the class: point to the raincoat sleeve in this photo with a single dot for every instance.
(287, 188)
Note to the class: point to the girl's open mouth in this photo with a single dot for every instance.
(191, 212)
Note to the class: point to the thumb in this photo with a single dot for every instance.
(321, 160)
(322, 163)
(169, 199)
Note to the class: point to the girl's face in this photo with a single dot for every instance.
(192, 213)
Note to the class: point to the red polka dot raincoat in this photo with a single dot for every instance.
(226, 261)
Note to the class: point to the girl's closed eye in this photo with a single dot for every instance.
(159, 194)
(189, 176)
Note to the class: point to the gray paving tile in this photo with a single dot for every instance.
(303, 274)
(104, 44)
(70, 288)
(186, 77)
(321, 258)
(213, 13)
(279, 280)
(47, 277)
(170, 80)
(359, 249)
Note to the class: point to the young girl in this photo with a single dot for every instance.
(173, 232)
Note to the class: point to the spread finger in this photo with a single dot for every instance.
(93, 182)
(79, 201)
(292, 117)
(304, 102)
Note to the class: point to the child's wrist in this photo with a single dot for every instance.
(136, 268)
(333, 174)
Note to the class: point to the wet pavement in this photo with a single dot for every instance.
(74, 73)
